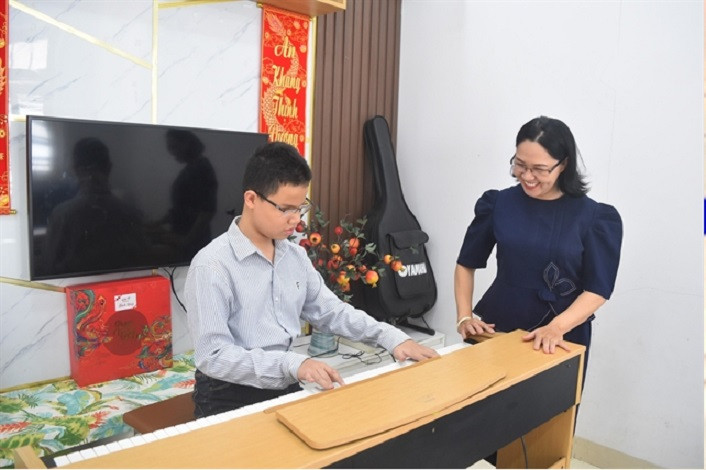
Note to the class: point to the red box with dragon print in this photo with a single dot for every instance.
(119, 328)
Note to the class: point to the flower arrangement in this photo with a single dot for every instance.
(347, 258)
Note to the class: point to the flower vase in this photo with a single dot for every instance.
(322, 344)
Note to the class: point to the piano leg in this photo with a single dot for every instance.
(547, 446)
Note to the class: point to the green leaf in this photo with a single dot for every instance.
(11, 405)
(15, 441)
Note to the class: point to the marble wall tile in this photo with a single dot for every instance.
(56, 73)
(124, 25)
(33, 335)
(209, 66)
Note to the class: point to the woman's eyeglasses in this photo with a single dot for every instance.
(301, 210)
(521, 168)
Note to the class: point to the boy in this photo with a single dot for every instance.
(247, 291)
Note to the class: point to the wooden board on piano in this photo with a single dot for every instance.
(371, 407)
(260, 441)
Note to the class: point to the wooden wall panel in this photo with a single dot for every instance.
(357, 70)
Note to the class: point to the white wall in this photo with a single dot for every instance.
(627, 78)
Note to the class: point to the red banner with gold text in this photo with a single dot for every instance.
(285, 47)
(4, 153)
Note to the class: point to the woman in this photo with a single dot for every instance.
(557, 249)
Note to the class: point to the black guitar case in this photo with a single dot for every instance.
(411, 292)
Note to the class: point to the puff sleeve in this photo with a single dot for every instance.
(602, 251)
(480, 236)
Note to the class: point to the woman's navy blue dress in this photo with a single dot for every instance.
(548, 252)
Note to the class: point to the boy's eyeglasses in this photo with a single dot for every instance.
(301, 210)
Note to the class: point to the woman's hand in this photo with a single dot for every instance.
(547, 338)
(469, 326)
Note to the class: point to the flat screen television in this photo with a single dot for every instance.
(113, 196)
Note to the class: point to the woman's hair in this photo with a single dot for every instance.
(558, 141)
(275, 164)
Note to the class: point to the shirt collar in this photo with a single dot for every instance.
(244, 247)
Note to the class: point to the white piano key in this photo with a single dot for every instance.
(246, 411)
(125, 444)
(149, 437)
(61, 460)
(74, 457)
(228, 415)
(453, 347)
(191, 425)
(113, 446)
(182, 428)
(211, 420)
(102, 450)
(88, 453)
(160, 434)
(198, 424)
(138, 440)
(171, 431)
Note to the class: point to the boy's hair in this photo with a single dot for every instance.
(275, 164)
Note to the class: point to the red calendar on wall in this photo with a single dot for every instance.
(119, 328)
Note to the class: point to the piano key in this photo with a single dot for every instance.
(61, 460)
(171, 431)
(182, 428)
(74, 457)
(102, 450)
(138, 440)
(125, 443)
(88, 453)
(113, 446)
